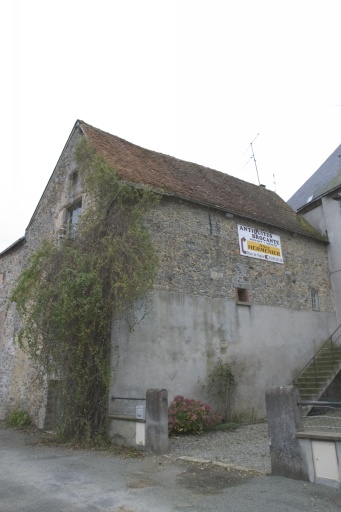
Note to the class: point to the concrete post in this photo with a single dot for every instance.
(157, 421)
(284, 420)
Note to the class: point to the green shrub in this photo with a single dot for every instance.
(187, 416)
(18, 419)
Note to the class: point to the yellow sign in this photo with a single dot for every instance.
(266, 249)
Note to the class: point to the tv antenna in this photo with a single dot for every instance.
(253, 157)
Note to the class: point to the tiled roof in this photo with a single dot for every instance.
(326, 178)
(196, 183)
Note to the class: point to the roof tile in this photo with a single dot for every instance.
(196, 183)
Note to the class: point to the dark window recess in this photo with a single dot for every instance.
(315, 301)
(242, 295)
(73, 217)
(212, 225)
(74, 178)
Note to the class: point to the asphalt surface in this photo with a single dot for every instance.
(35, 478)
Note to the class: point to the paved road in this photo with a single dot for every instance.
(47, 479)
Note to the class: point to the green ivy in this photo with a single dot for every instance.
(70, 292)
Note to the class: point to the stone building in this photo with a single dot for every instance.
(238, 269)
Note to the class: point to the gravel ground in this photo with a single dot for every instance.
(248, 446)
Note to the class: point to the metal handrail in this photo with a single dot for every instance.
(312, 360)
(318, 403)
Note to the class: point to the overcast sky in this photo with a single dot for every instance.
(194, 79)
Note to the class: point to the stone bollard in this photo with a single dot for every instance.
(284, 420)
(157, 421)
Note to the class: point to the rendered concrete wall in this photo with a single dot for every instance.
(327, 218)
(178, 342)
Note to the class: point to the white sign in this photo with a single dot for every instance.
(256, 243)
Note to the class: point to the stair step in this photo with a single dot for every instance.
(321, 369)
(312, 379)
(329, 353)
(312, 385)
(313, 376)
(313, 396)
(326, 360)
(312, 389)
(335, 350)
(328, 357)
(319, 373)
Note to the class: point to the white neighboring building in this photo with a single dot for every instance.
(319, 202)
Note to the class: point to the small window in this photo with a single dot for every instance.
(242, 296)
(73, 217)
(315, 303)
(74, 178)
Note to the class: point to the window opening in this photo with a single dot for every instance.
(242, 295)
(74, 178)
(73, 217)
(315, 302)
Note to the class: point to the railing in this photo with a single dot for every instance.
(313, 359)
(324, 416)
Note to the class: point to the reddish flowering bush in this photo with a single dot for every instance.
(187, 416)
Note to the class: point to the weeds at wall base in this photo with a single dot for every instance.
(18, 419)
(99, 444)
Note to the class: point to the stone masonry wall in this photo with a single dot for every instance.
(20, 387)
(199, 254)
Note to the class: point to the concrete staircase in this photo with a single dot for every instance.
(314, 379)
